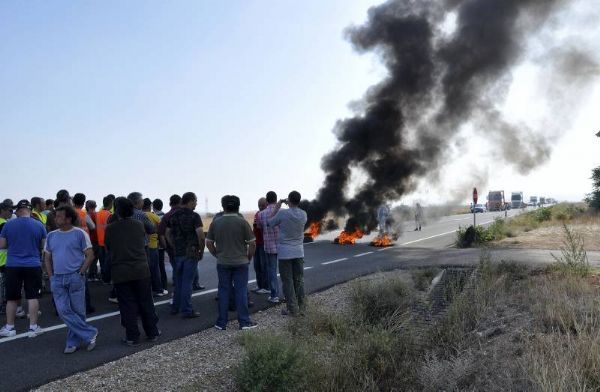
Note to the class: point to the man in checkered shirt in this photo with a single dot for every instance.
(270, 244)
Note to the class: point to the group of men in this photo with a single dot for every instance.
(129, 237)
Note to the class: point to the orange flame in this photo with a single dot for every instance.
(346, 238)
(313, 230)
(382, 241)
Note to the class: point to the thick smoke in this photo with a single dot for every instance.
(434, 85)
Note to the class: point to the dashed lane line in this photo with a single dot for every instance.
(334, 261)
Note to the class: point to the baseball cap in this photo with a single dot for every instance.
(23, 204)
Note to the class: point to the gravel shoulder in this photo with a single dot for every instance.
(552, 237)
(202, 361)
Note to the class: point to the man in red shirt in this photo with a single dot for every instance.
(260, 258)
(90, 208)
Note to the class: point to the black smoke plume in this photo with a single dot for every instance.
(436, 82)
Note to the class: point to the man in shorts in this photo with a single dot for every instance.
(23, 237)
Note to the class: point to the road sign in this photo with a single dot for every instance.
(474, 195)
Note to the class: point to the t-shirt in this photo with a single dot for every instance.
(125, 242)
(231, 234)
(2, 251)
(153, 238)
(24, 236)
(291, 222)
(67, 249)
(183, 225)
(101, 222)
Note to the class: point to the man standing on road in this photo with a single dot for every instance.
(186, 236)
(231, 241)
(157, 206)
(68, 255)
(270, 234)
(153, 262)
(260, 258)
(90, 209)
(137, 200)
(101, 223)
(24, 237)
(290, 248)
(85, 221)
(125, 242)
(418, 217)
(175, 204)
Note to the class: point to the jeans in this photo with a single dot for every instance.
(154, 269)
(68, 292)
(182, 298)
(104, 257)
(260, 268)
(272, 274)
(238, 275)
(135, 298)
(292, 282)
(161, 267)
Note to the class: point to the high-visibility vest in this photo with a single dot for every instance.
(101, 221)
(41, 217)
(82, 222)
(2, 251)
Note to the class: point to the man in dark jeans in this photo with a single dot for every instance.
(290, 251)
(125, 242)
(186, 236)
(231, 240)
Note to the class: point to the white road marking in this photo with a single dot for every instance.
(334, 261)
(362, 254)
(307, 268)
(439, 235)
(386, 248)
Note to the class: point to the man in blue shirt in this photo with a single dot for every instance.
(23, 237)
(290, 251)
(68, 255)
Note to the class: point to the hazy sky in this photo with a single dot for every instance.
(223, 97)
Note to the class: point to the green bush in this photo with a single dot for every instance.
(273, 363)
(543, 214)
(375, 303)
(573, 258)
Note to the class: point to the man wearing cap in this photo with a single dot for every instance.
(6, 212)
(23, 237)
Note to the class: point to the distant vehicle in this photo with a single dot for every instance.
(551, 201)
(496, 201)
(533, 201)
(542, 201)
(517, 201)
(478, 208)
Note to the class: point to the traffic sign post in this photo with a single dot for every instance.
(474, 204)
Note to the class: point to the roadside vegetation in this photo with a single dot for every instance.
(505, 327)
(560, 214)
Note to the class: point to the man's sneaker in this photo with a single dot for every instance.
(165, 292)
(92, 344)
(113, 300)
(250, 325)
(198, 288)
(256, 290)
(219, 327)
(154, 338)
(7, 333)
(159, 294)
(21, 313)
(263, 291)
(274, 300)
(70, 350)
(33, 332)
(130, 343)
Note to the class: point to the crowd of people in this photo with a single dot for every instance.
(63, 244)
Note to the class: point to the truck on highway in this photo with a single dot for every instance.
(496, 201)
(542, 201)
(516, 200)
(533, 201)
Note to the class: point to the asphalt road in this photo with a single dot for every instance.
(29, 362)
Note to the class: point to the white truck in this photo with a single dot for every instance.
(516, 200)
(533, 200)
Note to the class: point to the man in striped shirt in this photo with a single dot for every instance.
(270, 235)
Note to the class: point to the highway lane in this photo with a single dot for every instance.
(326, 264)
